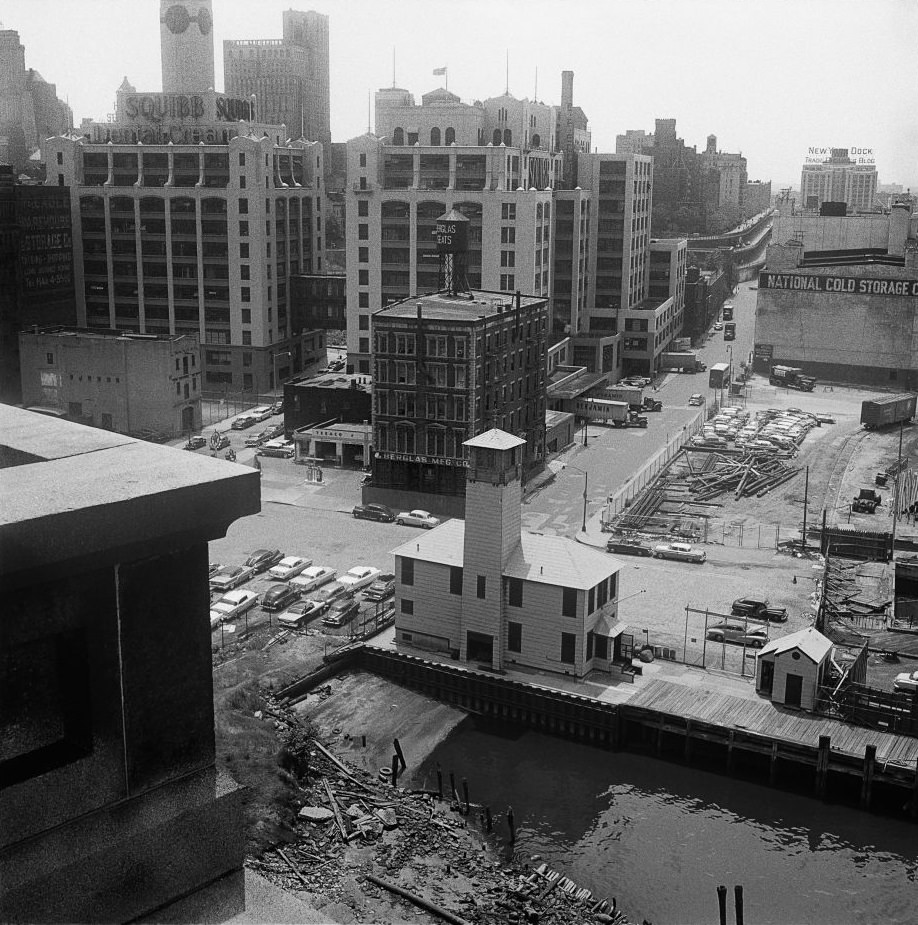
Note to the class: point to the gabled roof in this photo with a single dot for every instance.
(809, 641)
(443, 545)
(495, 439)
(559, 561)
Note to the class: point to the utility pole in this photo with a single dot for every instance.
(895, 501)
(806, 500)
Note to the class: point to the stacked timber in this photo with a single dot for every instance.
(753, 474)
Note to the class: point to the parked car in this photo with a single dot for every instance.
(314, 577)
(279, 597)
(233, 604)
(219, 441)
(906, 683)
(278, 407)
(341, 612)
(231, 577)
(417, 519)
(288, 567)
(262, 559)
(696, 399)
(679, 551)
(758, 608)
(213, 568)
(374, 512)
(628, 549)
(244, 422)
(383, 587)
(328, 594)
(282, 449)
(718, 326)
(261, 437)
(359, 577)
(195, 442)
(262, 413)
(300, 613)
(737, 634)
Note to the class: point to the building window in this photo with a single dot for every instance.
(507, 282)
(363, 299)
(243, 206)
(508, 258)
(568, 648)
(407, 571)
(569, 602)
(514, 636)
(364, 346)
(363, 208)
(247, 316)
(363, 322)
(407, 606)
(242, 160)
(363, 254)
(508, 211)
(244, 250)
(508, 236)
(591, 602)
(50, 358)
(363, 277)
(482, 586)
(246, 294)
(455, 579)
(363, 160)
(363, 232)
(246, 342)
(515, 592)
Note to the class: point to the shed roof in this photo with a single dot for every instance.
(809, 641)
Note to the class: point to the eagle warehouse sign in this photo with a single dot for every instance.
(847, 285)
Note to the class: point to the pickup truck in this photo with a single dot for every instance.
(758, 609)
(866, 502)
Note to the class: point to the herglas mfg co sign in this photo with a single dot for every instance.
(428, 460)
(846, 285)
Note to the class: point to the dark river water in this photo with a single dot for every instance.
(660, 836)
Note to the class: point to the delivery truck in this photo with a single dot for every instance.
(887, 410)
(791, 377)
(686, 360)
(606, 411)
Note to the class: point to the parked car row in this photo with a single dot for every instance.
(301, 592)
(381, 512)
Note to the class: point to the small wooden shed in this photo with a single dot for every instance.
(790, 669)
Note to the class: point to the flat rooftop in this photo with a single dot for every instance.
(360, 381)
(440, 306)
(101, 334)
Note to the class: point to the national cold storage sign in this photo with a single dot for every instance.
(906, 288)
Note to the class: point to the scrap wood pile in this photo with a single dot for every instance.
(360, 839)
(753, 474)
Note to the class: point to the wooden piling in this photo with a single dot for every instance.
(870, 757)
(722, 904)
(465, 794)
(738, 903)
(773, 765)
(510, 823)
(822, 765)
(688, 741)
(731, 741)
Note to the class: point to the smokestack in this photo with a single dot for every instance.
(567, 89)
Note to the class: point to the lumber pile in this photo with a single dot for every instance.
(753, 474)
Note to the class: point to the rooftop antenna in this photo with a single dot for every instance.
(535, 92)
(368, 113)
(507, 85)
(394, 84)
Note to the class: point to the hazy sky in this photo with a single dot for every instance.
(770, 78)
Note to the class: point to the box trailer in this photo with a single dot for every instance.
(686, 360)
(887, 410)
(719, 376)
(631, 395)
(606, 411)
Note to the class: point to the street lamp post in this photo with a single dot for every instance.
(586, 480)
(274, 356)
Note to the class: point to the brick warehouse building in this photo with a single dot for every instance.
(846, 313)
(447, 368)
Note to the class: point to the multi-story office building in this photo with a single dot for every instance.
(727, 187)
(130, 383)
(839, 178)
(36, 268)
(29, 108)
(572, 131)
(447, 368)
(195, 237)
(756, 197)
(570, 284)
(621, 188)
(319, 301)
(186, 45)
(397, 191)
(288, 77)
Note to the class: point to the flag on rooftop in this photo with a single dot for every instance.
(439, 71)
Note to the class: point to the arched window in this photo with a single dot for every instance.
(435, 136)
(398, 137)
(508, 137)
(450, 136)
(536, 140)
(496, 137)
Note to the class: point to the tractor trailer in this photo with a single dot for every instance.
(686, 360)
(887, 410)
(605, 411)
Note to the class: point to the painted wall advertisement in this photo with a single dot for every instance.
(45, 245)
(843, 285)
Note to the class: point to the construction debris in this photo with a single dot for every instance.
(413, 845)
(752, 474)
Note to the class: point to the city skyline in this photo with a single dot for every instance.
(639, 47)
